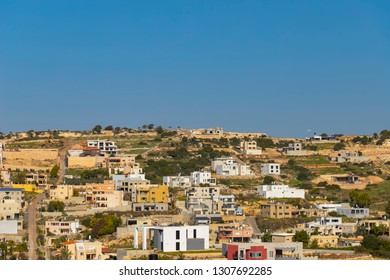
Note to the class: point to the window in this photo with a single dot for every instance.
(255, 255)
(178, 234)
(194, 233)
(178, 246)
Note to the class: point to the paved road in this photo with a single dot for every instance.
(252, 222)
(31, 217)
(32, 226)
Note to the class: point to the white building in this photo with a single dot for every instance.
(221, 161)
(294, 149)
(228, 167)
(346, 156)
(174, 238)
(105, 146)
(198, 178)
(214, 131)
(270, 169)
(177, 181)
(280, 191)
(129, 180)
(352, 212)
(8, 227)
(62, 227)
(328, 207)
(250, 148)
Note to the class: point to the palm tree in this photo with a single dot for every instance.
(65, 254)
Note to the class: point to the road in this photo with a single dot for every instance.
(32, 226)
(62, 158)
(31, 217)
(252, 222)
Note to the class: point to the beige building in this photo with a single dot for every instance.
(37, 178)
(11, 203)
(61, 192)
(103, 195)
(368, 224)
(250, 148)
(282, 237)
(325, 241)
(277, 211)
(62, 227)
(5, 176)
(119, 160)
(84, 250)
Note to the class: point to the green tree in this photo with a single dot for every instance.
(301, 236)
(339, 146)
(109, 127)
(19, 178)
(291, 162)
(266, 237)
(268, 180)
(56, 206)
(159, 129)
(65, 254)
(117, 130)
(97, 129)
(104, 225)
(359, 199)
(315, 231)
(54, 171)
(371, 242)
(314, 244)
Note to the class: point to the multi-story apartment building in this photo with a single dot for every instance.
(294, 149)
(325, 241)
(62, 227)
(250, 148)
(150, 194)
(230, 234)
(37, 178)
(270, 169)
(177, 181)
(127, 181)
(61, 192)
(349, 156)
(105, 146)
(277, 210)
(199, 177)
(228, 167)
(11, 203)
(5, 176)
(83, 250)
(104, 195)
(174, 238)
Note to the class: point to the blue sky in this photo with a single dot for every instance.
(280, 67)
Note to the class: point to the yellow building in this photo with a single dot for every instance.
(325, 241)
(27, 187)
(152, 194)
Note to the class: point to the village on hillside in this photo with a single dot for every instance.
(117, 193)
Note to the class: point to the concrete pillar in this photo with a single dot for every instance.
(136, 237)
(144, 242)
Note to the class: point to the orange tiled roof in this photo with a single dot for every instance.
(69, 242)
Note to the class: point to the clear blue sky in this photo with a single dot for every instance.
(280, 67)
